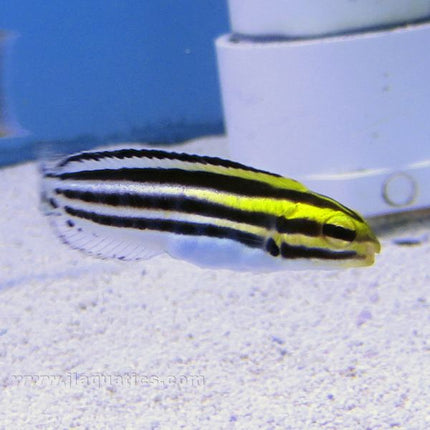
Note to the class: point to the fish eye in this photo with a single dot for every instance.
(339, 228)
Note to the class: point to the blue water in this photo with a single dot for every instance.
(85, 73)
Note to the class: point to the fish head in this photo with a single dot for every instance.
(351, 238)
(327, 237)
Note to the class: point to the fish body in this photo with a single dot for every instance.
(134, 203)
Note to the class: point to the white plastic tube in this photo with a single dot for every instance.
(298, 18)
(347, 115)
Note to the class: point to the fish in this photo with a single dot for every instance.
(133, 203)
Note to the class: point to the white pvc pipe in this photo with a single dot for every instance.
(347, 115)
(310, 18)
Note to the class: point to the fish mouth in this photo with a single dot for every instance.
(377, 247)
(373, 244)
(369, 250)
(370, 243)
(365, 250)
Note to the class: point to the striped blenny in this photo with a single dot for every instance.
(134, 203)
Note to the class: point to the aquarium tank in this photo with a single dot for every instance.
(236, 231)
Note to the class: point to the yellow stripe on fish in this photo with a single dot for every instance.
(133, 203)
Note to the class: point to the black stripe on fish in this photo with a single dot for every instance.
(202, 207)
(202, 179)
(293, 252)
(171, 226)
(150, 154)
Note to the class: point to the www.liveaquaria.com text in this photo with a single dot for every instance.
(132, 379)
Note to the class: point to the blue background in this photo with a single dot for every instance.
(86, 72)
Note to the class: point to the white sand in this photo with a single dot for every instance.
(164, 344)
